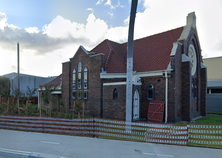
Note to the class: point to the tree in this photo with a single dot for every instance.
(5, 87)
(30, 92)
(46, 96)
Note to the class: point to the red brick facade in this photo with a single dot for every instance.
(104, 77)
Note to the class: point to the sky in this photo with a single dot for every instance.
(49, 32)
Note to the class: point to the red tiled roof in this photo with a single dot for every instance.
(55, 82)
(149, 54)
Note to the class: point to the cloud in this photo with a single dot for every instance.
(54, 36)
(90, 9)
(119, 5)
(99, 2)
(32, 30)
(2, 20)
(109, 3)
(40, 42)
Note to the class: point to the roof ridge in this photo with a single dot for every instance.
(154, 35)
(110, 45)
(111, 49)
(107, 60)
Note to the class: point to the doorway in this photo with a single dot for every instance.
(136, 102)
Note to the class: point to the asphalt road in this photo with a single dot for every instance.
(20, 144)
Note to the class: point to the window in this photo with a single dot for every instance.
(209, 91)
(85, 95)
(115, 94)
(79, 74)
(74, 94)
(150, 92)
(74, 79)
(85, 78)
(80, 95)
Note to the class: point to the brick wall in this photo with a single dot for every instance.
(186, 95)
(203, 103)
(175, 87)
(114, 108)
(94, 64)
(66, 82)
(159, 92)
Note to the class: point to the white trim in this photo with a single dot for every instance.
(112, 75)
(191, 23)
(97, 55)
(56, 92)
(57, 88)
(138, 74)
(84, 49)
(174, 49)
(185, 58)
(114, 83)
(148, 74)
(203, 66)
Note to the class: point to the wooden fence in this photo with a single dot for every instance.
(197, 135)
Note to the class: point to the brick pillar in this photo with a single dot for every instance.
(203, 90)
(65, 82)
(186, 80)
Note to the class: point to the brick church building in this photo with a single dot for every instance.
(167, 66)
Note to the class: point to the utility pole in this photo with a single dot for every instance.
(18, 70)
(129, 84)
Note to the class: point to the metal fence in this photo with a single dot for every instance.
(193, 134)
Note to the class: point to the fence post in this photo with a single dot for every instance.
(40, 109)
(83, 110)
(66, 107)
(73, 109)
(26, 107)
(50, 109)
(18, 106)
(93, 127)
(57, 106)
(8, 105)
(187, 133)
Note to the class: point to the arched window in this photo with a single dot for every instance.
(115, 94)
(150, 92)
(79, 74)
(85, 78)
(74, 79)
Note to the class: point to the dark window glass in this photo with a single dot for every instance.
(85, 78)
(80, 66)
(79, 75)
(150, 92)
(74, 94)
(74, 79)
(115, 94)
(85, 95)
(216, 90)
(79, 95)
(79, 80)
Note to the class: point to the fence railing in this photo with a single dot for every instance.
(205, 135)
(193, 134)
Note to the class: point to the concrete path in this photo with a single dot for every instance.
(20, 144)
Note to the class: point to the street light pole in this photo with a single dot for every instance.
(129, 85)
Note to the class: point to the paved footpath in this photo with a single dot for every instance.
(18, 144)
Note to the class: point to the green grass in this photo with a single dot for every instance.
(216, 113)
(210, 119)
